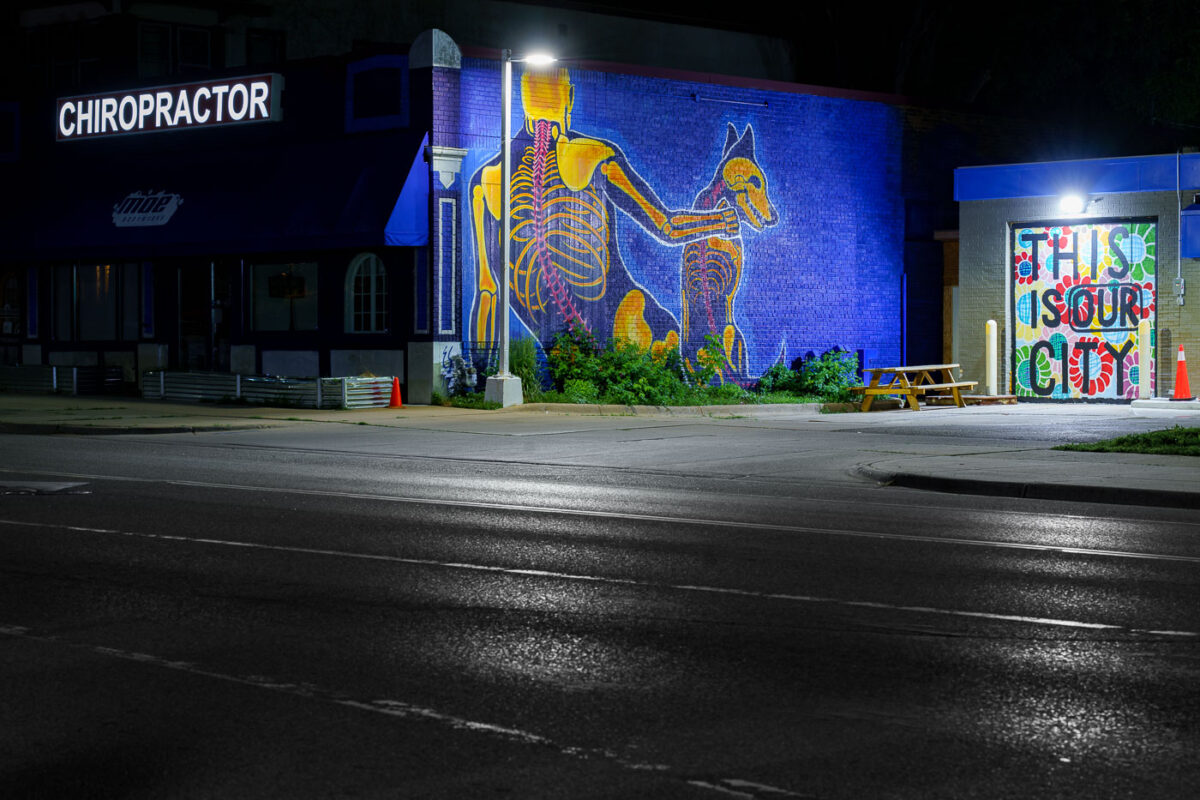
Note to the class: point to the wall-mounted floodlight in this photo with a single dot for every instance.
(537, 59)
(1076, 204)
(1070, 204)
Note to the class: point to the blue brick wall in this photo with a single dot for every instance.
(828, 274)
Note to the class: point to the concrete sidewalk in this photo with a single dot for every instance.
(107, 414)
(986, 450)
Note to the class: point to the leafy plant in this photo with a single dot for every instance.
(580, 391)
(711, 361)
(523, 362)
(779, 378)
(830, 375)
(729, 394)
(573, 355)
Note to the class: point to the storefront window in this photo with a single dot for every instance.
(366, 295)
(31, 303)
(64, 302)
(97, 292)
(10, 302)
(100, 302)
(284, 297)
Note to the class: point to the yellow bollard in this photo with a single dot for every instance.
(1145, 361)
(992, 385)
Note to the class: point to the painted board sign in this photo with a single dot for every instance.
(1079, 290)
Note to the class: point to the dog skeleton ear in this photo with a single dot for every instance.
(731, 138)
(748, 135)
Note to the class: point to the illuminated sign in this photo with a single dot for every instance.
(143, 209)
(234, 101)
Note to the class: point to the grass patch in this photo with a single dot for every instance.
(473, 400)
(1175, 441)
(704, 396)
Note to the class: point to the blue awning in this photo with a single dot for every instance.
(408, 225)
(364, 191)
(1160, 173)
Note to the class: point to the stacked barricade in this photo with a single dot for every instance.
(216, 387)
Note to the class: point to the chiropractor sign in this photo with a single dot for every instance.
(231, 101)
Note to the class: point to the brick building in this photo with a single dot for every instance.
(354, 226)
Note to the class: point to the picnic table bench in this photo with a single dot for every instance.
(911, 383)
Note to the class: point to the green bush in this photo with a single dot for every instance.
(729, 394)
(573, 355)
(620, 372)
(778, 378)
(523, 362)
(710, 360)
(830, 375)
(580, 391)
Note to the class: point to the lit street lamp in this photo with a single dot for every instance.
(504, 387)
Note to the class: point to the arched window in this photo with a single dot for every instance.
(366, 295)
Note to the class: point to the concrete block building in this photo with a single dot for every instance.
(1068, 257)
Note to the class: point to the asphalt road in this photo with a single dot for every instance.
(590, 608)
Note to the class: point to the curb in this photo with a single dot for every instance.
(592, 409)
(1075, 493)
(50, 428)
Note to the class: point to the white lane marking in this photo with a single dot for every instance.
(567, 576)
(388, 707)
(707, 523)
(862, 500)
(762, 787)
(712, 787)
(40, 486)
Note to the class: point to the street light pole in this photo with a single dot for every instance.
(506, 182)
(503, 387)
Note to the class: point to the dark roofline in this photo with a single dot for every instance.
(734, 81)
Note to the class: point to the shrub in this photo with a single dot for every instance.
(621, 372)
(728, 394)
(778, 378)
(523, 362)
(710, 361)
(579, 391)
(830, 375)
(573, 355)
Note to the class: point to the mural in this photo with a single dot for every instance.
(572, 193)
(1079, 292)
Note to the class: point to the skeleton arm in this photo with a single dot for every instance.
(635, 197)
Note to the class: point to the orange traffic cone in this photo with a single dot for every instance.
(1182, 390)
(396, 401)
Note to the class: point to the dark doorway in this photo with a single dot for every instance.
(205, 315)
(12, 318)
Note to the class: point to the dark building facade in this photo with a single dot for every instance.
(217, 205)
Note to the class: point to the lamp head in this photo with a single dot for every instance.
(1070, 204)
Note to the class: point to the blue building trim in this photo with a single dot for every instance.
(1091, 176)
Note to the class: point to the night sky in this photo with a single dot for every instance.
(1117, 77)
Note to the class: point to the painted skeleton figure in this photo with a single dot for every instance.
(712, 267)
(566, 266)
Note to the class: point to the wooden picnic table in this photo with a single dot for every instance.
(911, 383)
